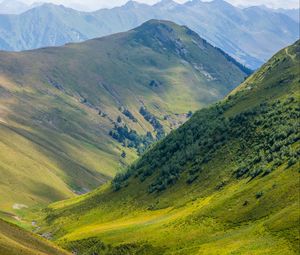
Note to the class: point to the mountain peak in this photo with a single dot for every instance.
(155, 24)
(166, 4)
(51, 8)
(221, 3)
(132, 4)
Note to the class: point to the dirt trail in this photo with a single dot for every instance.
(290, 55)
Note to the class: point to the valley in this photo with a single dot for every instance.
(125, 133)
(225, 182)
(73, 116)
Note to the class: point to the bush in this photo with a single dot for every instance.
(259, 194)
(292, 161)
(129, 115)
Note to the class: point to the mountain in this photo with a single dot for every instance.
(292, 13)
(16, 241)
(72, 116)
(225, 182)
(244, 34)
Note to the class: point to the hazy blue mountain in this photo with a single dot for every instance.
(243, 33)
(292, 13)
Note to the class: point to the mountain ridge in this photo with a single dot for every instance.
(67, 25)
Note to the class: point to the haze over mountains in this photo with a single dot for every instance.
(72, 116)
(15, 7)
(243, 33)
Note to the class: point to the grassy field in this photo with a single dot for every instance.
(235, 190)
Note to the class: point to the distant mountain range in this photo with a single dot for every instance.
(251, 35)
(293, 13)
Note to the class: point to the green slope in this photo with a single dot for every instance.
(60, 107)
(16, 241)
(226, 182)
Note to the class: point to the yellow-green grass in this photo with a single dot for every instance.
(41, 164)
(16, 241)
(226, 209)
(54, 143)
(192, 221)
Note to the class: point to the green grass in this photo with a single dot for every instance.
(52, 144)
(224, 210)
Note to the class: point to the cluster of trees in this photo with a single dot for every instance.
(260, 139)
(94, 246)
(130, 138)
(275, 128)
(160, 133)
(129, 115)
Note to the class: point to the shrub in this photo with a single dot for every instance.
(259, 194)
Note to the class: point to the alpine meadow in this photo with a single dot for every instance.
(170, 128)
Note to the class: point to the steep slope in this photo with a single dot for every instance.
(225, 182)
(243, 33)
(16, 241)
(72, 116)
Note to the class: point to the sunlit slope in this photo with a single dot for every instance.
(15, 241)
(58, 106)
(225, 182)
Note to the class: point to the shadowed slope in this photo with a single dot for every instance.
(16, 241)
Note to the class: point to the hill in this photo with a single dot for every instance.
(247, 40)
(16, 241)
(72, 116)
(225, 182)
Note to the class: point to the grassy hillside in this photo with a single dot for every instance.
(16, 241)
(226, 182)
(72, 116)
